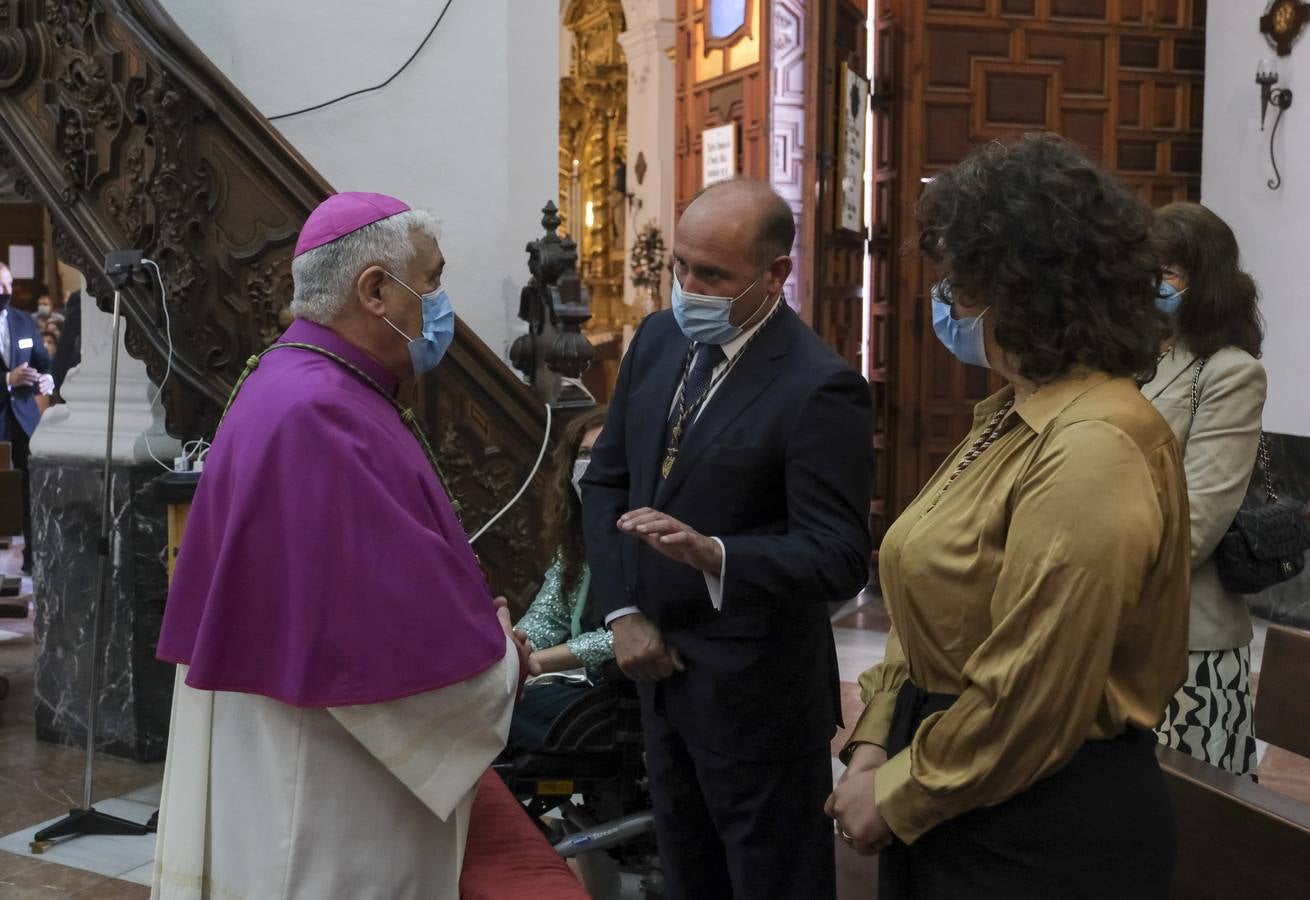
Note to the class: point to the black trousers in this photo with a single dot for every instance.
(732, 828)
(1101, 826)
(21, 450)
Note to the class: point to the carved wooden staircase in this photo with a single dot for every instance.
(132, 138)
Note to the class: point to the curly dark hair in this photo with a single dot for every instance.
(563, 509)
(1059, 250)
(1219, 307)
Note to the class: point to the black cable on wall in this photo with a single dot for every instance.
(376, 87)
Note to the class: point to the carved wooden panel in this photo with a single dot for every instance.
(721, 82)
(128, 150)
(1122, 78)
(788, 63)
(885, 256)
(839, 39)
(24, 224)
(130, 137)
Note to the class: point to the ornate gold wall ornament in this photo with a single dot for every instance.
(594, 133)
(1283, 22)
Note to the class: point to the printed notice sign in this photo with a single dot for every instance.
(22, 261)
(719, 154)
(855, 105)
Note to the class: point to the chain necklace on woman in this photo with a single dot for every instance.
(985, 440)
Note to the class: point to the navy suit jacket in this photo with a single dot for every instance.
(779, 467)
(25, 346)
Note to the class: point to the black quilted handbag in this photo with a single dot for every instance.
(1266, 543)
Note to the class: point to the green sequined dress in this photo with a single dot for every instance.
(555, 616)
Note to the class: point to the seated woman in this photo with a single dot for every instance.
(1038, 585)
(558, 623)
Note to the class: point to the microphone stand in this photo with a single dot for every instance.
(120, 266)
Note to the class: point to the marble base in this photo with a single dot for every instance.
(1288, 602)
(137, 690)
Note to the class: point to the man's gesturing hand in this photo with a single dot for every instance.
(674, 539)
(23, 375)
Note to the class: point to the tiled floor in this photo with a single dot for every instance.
(40, 781)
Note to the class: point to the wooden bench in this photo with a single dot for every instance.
(1237, 838)
(1282, 709)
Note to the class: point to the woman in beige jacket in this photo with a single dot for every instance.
(1210, 387)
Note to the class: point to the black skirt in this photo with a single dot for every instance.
(1101, 826)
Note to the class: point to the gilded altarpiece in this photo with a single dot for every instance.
(593, 152)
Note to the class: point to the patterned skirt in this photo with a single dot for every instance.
(1211, 717)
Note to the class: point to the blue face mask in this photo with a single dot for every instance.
(963, 337)
(705, 319)
(427, 350)
(1169, 298)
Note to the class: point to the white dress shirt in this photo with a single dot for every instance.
(713, 583)
(4, 336)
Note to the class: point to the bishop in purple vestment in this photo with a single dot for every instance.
(344, 676)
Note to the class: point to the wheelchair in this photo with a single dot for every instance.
(590, 771)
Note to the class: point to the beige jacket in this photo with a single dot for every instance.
(1219, 450)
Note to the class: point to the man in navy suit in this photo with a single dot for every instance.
(27, 364)
(725, 505)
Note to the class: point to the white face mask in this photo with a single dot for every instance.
(579, 469)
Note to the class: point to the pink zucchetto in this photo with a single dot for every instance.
(341, 214)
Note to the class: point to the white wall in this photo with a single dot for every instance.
(469, 129)
(1273, 227)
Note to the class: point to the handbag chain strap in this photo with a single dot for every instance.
(1262, 458)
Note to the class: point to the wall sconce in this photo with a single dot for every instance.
(1266, 75)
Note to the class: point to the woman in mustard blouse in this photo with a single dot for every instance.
(1038, 586)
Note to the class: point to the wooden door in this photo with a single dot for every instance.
(722, 79)
(838, 42)
(23, 225)
(836, 302)
(884, 260)
(1122, 78)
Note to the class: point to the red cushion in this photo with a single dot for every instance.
(507, 857)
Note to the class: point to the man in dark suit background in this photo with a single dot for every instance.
(68, 353)
(725, 505)
(27, 364)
